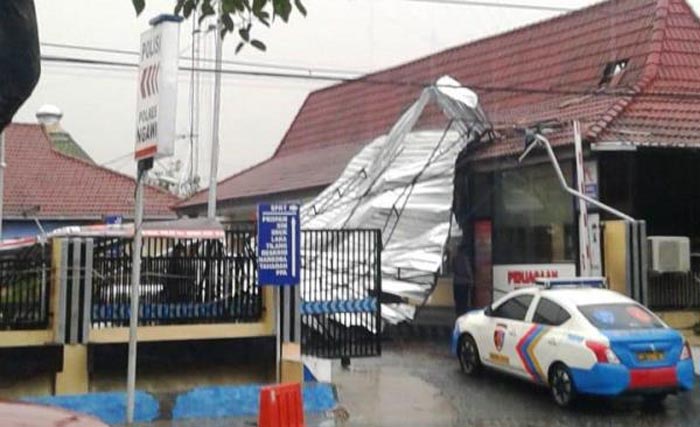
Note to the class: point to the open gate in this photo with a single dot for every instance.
(340, 289)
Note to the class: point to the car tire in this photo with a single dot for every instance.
(655, 399)
(562, 386)
(468, 353)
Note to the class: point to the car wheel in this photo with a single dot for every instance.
(562, 386)
(655, 399)
(469, 355)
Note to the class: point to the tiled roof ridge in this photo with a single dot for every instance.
(649, 73)
(291, 124)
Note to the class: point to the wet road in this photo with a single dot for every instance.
(419, 383)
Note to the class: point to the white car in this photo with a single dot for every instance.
(576, 337)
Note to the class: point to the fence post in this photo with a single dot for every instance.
(378, 251)
(643, 260)
(60, 265)
(73, 378)
(87, 291)
(75, 290)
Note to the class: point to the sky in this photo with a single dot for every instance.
(338, 37)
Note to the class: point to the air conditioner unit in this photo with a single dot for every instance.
(669, 254)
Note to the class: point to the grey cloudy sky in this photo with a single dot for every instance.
(349, 35)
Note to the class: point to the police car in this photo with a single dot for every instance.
(576, 337)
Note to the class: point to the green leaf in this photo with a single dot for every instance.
(228, 23)
(188, 8)
(178, 6)
(228, 6)
(239, 5)
(258, 6)
(258, 45)
(207, 10)
(263, 17)
(282, 8)
(300, 6)
(244, 33)
(239, 47)
(139, 5)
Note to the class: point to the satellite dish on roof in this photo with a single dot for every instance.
(49, 114)
(454, 89)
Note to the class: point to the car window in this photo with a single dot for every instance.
(550, 313)
(623, 316)
(514, 308)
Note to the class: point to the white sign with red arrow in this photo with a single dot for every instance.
(157, 91)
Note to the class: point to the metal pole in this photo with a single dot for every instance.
(278, 332)
(213, 171)
(543, 141)
(2, 176)
(135, 279)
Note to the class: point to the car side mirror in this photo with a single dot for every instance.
(488, 310)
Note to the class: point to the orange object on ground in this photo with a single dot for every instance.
(281, 406)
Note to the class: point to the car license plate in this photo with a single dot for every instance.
(650, 356)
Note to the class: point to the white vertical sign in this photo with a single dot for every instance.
(594, 239)
(583, 229)
(157, 89)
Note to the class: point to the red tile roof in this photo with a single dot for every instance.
(550, 70)
(65, 187)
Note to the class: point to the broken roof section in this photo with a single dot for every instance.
(401, 184)
(553, 70)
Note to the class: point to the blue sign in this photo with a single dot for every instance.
(279, 239)
(113, 219)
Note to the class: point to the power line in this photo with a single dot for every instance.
(189, 58)
(496, 5)
(598, 92)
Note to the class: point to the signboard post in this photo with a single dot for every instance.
(155, 138)
(279, 265)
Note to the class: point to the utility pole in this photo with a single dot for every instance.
(213, 171)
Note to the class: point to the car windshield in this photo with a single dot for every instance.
(625, 316)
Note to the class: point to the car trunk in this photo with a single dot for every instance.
(648, 348)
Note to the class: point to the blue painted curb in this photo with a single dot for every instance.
(109, 407)
(237, 401)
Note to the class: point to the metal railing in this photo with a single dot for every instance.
(183, 281)
(340, 290)
(25, 278)
(674, 291)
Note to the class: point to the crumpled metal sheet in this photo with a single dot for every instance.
(401, 184)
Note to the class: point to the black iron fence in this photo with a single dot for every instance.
(183, 281)
(25, 280)
(340, 289)
(192, 281)
(674, 291)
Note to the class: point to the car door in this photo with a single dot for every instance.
(506, 324)
(546, 340)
